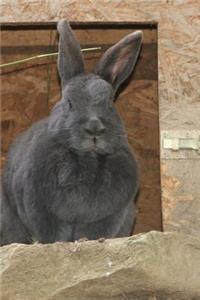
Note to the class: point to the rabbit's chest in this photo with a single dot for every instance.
(92, 190)
(84, 194)
(86, 178)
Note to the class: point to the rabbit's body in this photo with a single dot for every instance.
(71, 175)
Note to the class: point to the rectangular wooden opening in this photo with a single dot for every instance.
(30, 90)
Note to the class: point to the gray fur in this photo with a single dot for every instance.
(72, 175)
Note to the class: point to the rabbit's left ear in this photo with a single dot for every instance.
(70, 59)
(118, 62)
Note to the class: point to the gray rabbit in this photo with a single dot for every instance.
(72, 174)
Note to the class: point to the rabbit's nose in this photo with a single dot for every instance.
(94, 126)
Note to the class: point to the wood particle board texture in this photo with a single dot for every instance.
(30, 90)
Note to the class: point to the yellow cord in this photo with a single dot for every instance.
(42, 56)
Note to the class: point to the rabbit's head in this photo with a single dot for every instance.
(86, 116)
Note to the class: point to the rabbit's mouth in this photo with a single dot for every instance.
(96, 145)
(94, 142)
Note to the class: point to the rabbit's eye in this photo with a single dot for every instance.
(110, 103)
(70, 104)
(112, 100)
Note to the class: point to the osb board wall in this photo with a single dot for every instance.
(179, 81)
(29, 91)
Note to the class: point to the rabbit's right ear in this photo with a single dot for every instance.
(70, 59)
(118, 62)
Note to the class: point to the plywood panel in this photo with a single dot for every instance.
(181, 195)
(30, 90)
